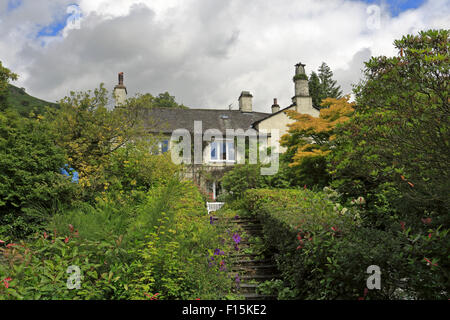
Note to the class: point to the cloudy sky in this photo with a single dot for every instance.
(205, 52)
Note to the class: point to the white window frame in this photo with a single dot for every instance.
(219, 143)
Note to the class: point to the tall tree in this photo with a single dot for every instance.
(322, 86)
(395, 149)
(90, 133)
(5, 76)
(309, 139)
(315, 90)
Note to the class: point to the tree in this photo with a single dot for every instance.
(309, 140)
(165, 100)
(315, 90)
(323, 86)
(5, 76)
(89, 133)
(395, 148)
(148, 101)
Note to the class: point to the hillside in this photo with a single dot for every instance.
(25, 103)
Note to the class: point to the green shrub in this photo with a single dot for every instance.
(29, 174)
(323, 251)
(125, 250)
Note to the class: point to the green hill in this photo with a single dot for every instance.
(24, 103)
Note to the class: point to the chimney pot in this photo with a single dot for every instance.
(275, 106)
(121, 78)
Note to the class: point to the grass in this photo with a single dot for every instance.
(25, 103)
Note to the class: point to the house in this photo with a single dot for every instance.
(219, 152)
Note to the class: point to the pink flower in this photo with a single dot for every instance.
(430, 263)
(426, 221)
(402, 223)
(6, 282)
(66, 239)
(429, 235)
(71, 228)
(11, 245)
(45, 235)
(2, 242)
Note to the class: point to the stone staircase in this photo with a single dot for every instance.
(249, 263)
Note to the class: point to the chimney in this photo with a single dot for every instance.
(302, 100)
(120, 78)
(245, 101)
(120, 91)
(275, 106)
(301, 81)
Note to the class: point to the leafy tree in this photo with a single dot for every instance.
(5, 76)
(395, 149)
(315, 90)
(165, 100)
(29, 174)
(148, 101)
(89, 133)
(322, 85)
(309, 139)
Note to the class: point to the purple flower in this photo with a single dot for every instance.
(237, 280)
(211, 220)
(222, 266)
(236, 247)
(236, 238)
(218, 252)
(236, 217)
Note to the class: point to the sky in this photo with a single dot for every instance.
(204, 52)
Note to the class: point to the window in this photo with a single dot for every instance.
(222, 151)
(164, 146)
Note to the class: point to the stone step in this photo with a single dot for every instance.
(259, 277)
(248, 287)
(265, 261)
(256, 296)
(254, 268)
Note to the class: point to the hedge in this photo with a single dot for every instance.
(324, 253)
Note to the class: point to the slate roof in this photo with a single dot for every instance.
(165, 120)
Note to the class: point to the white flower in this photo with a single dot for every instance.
(360, 200)
(344, 210)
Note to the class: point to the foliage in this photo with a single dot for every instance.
(134, 167)
(147, 101)
(314, 90)
(25, 104)
(323, 251)
(395, 149)
(322, 86)
(310, 139)
(300, 77)
(157, 247)
(5, 76)
(29, 166)
(90, 133)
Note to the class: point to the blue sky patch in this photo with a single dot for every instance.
(13, 4)
(398, 6)
(54, 29)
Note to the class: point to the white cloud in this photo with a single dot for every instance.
(204, 52)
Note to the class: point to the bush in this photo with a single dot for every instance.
(29, 167)
(158, 247)
(323, 251)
